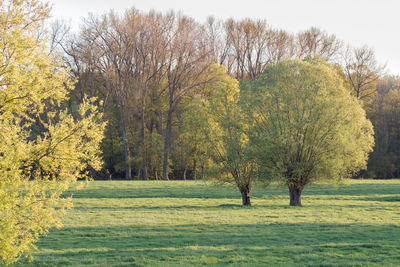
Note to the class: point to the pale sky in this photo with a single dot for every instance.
(375, 23)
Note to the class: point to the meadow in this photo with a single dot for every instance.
(188, 223)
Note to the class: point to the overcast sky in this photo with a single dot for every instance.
(375, 23)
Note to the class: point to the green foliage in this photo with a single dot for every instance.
(44, 146)
(307, 126)
(194, 120)
(219, 118)
(385, 116)
(153, 223)
(148, 46)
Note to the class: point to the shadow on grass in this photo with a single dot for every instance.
(231, 206)
(220, 207)
(247, 243)
(172, 207)
(183, 190)
(386, 199)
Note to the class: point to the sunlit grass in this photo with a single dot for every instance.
(135, 223)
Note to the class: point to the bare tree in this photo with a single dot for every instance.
(58, 34)
(236, 42)
(256, 39)
(280, 46)
(315, 42)
(253, 44)
(362, 70)
(215, 37)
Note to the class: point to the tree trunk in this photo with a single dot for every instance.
(151, 126)
(184, 174)
(142, 135)
(245, 191)
(194, 169)
(128, 174)
(166, 144)
(295, 196)
(108, 175)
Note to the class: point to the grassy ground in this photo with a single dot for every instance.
(126, 223)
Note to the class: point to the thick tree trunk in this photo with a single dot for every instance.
(142, 135)
(245, 191)
(166, 144)
(295, 196)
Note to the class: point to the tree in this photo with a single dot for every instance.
(115, 52)
(315, 42)
(216, 37)
(362, 70)
(191, 140)
(187, 69)
(221, 120)
(307, 126)
(150, 59)
(251, 45)
(46, 142)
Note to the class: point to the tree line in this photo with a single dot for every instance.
(146, 68)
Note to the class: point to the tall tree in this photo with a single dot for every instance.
(110, 35)
(188, 64)
(150, 57)
(307, 126)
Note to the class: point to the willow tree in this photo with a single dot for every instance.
(45, 144)
(220, 118)
(307, 126)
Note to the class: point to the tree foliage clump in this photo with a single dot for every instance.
(307, 126)
(45, 143)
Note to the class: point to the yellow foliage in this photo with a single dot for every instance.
(44, 146)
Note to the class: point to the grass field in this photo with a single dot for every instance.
(136, 223)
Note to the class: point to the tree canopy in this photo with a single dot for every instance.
(307, 126)
(220, 119)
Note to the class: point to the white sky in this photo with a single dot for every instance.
(375, 23)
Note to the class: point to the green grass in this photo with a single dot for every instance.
(135, 223)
